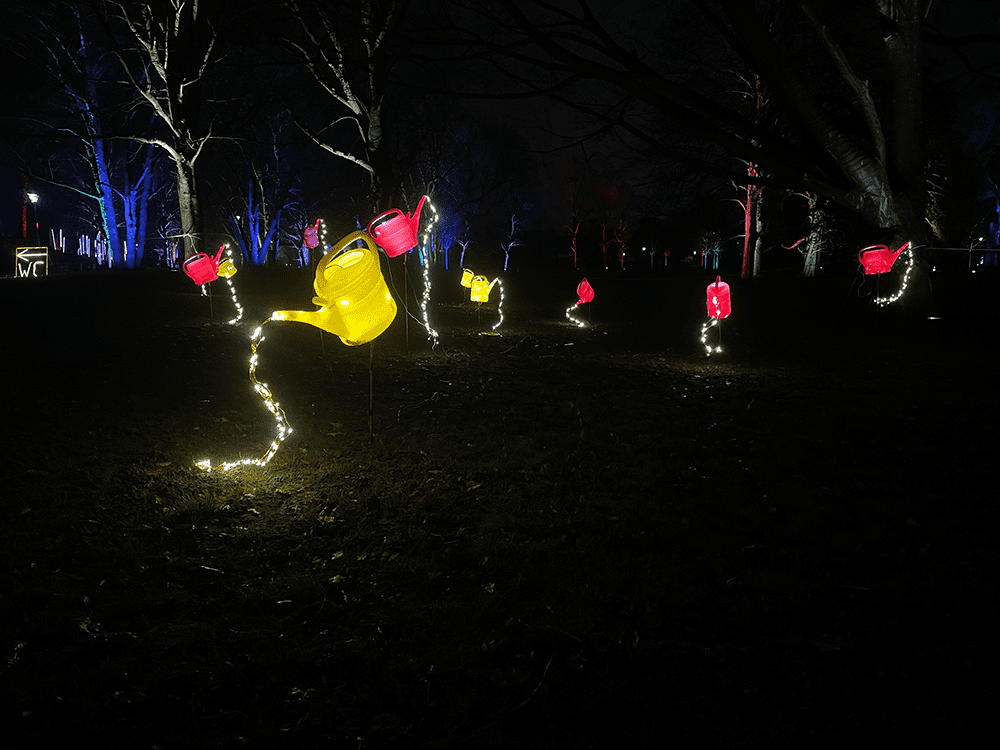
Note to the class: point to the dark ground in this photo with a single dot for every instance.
(556, 538)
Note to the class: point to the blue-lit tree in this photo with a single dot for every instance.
(86, 130)
(165, 50)
(261, 184)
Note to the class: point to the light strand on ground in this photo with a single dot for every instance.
(573, 318)
(499, 304)
(425, 299)
(883, 301)
(709, 349)
(262, 390)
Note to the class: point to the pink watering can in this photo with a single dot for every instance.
(585, 292)
(879, 258)
(203, 268)
(396, 233)
(719, 301)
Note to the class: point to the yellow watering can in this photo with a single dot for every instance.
(479, 286)
(227, 269)
(354, 301)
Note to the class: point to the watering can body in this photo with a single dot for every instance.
(203, 268)
(479, 286)
(394, 231)
(227, 269)
(879, 258)
(584, 292)
(311, 235)
(355, 303)
(719, 301)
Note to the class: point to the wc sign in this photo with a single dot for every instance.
(31, 261)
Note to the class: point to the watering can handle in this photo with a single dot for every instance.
(381, 216)
(194, 258)
(871, 247)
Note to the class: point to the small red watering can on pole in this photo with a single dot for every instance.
(203, 268)
(879, 258)
(394, 231)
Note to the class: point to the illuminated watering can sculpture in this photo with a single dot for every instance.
(585, 294)
(479, 291)
(479, 286)
(311, 235)
(204, 268)
(879, 258)
(719, 303)
(394, 231)
(354, 301)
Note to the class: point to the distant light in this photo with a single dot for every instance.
(33, 196)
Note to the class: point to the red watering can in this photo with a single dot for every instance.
(719, 301)
(585, 292)
(311, 235)
(203, 268)
(396, 233)
(879, 258)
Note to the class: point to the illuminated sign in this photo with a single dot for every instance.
(31, 261)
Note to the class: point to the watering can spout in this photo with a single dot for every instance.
(415, 216)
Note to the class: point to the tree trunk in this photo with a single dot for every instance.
(187, 199)
(106, 202)
(758, 240)
(814, 241)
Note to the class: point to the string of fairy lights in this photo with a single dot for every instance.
(425, 299)
(569, 314)
(284, 429)
(883, 301)
(499, 283)
(232, 290)
(705, 329)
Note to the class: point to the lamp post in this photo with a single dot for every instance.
(33, 197)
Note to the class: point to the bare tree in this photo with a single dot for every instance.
(166, 48)
(342, 47)
(875, 172)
